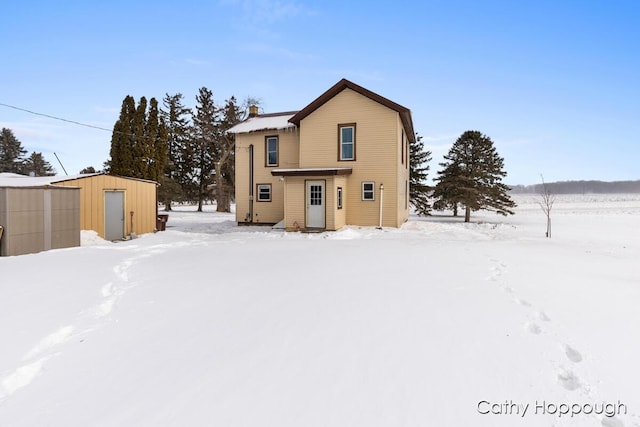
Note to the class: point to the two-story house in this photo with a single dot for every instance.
(341, 160)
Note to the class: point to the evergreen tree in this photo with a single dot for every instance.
(448, 190)
(36, 165)
(176, 118)
(139, 141)
(11, 152)
(472, 175)
(225, 159)
(155, 139)
(419, 191)
(202, 147)
(121, 162)
(140, 146)
(88, 169)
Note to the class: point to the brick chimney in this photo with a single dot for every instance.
(253, 110)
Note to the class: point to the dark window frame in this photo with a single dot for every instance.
(402, 144)
(339, 197)
(365, 192)
(340, 127)
(406, 195)
(259, 194)
(266, 151)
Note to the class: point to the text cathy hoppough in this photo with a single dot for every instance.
(542, 407)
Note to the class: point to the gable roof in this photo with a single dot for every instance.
(273, 121)
(16, 180)
(405, 113)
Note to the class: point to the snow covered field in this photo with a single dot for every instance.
(439, 323)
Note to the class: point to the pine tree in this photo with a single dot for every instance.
(202, 148)
(155, 140)
(11, 152)
(225, 160)
(139, 141)
(88, 169)
(175, 116)
(36, 165)
(140, 147)
(419, 191)
(447, 192)
(472, 175)
(121, 162)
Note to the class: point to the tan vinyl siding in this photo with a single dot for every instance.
(340, 216)
(403, 174)
(140, 198)
(296, 199)
(379, 157)
(263, 212)
(295, 219)
(376, 145)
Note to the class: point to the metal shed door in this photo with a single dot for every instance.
(113, 215)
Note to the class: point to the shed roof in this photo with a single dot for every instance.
(16, 180)
(405, 113)
(273, 121)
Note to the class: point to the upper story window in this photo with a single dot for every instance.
(407, 147)
(347, 141)
(402, 145)
(271, 148)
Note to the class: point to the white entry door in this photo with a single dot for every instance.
(315, 204)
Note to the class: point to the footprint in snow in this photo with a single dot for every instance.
(22, 377)
(55, 338)
(533, 328)
(569, 380)
(107, 290)
(541, 315)
(612, 422)
(572, 354)
(522, 302)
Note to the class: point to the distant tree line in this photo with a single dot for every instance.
(580, 187)
(13, 157)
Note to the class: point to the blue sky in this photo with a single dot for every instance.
(555, 84)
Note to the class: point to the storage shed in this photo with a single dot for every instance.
(37, 218)
(114, 206)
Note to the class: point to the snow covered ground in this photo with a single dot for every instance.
(439, 323)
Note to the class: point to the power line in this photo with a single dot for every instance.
(54, 117)
(73, 121)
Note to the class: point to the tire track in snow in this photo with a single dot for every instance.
(566, 376)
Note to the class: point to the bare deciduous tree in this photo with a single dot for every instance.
(546, 204)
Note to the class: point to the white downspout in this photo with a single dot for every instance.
(381, 195)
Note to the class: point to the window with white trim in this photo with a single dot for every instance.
(347, 142)
(271, 147)
(264, 192)
(368, 191)
(339, 193)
